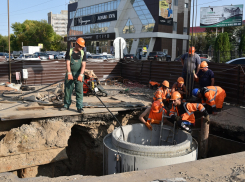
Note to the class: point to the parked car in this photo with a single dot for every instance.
(50, 56)
(159, 56)
(178, 58)
(237, 61)
(28, 57)
(42, 55)
(55, 56)
(61, 55)
(7, 56)
(129, 57)
(99, 57)
(204, 59)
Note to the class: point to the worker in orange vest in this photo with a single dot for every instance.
(180, 87)
(155, 114)
(183, 112)
(212, 98)
(163, 93)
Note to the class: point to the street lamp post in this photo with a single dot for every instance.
(9, 46)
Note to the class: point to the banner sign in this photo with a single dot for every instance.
(107, 36)
(165, 12)
(221, 16)
(98, 18)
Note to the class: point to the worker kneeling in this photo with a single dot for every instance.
(156, 111)
(212, 97)
(183, 112)
(163, 93)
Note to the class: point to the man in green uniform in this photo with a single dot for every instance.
(75, 64)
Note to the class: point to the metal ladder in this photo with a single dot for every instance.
(171, 133)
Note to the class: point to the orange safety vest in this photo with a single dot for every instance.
(161, 95)
(156, 118)
(178, 88)
(189, 108)
(214, 96)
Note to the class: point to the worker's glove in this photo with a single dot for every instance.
(70, 77)
(178, 118)
(205, 113)
(80, 78)
(173, 117)
(148, 125)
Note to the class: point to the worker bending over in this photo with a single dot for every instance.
(155, 114)
(212, 98)
(183, 113)
(163, 93)
(180, 87)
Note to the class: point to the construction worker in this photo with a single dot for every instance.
(75, 64)
(212, 98)
(205, 75)
(180, 87)
(155, 114)
(191, 64)
(183, 113)
(163, 94)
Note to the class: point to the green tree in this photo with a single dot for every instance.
(222, 47)
(199, 42)
(32, 32)
(242, 44)
(4, 46)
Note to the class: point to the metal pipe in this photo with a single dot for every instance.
(9, 46)
(204, 138)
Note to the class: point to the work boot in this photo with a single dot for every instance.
(80, 111)
(63, 108)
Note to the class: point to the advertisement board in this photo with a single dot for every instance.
(221, 16)
(165, 12)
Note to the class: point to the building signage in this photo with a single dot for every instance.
(221, 16)
(107, 36)
(98, 18)
(165, 12)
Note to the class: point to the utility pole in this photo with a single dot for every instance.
(9, 46)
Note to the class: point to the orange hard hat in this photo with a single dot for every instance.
(81, 41)
(175, 95)
(156, 105)
(165, 83)
(192, 50)
(203, 64)
(180, 80)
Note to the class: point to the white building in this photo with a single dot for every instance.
(146, 25)
(59, 22)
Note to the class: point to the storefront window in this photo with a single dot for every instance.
(144, 14)
(129, 27)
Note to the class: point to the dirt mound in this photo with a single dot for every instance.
(38, 135)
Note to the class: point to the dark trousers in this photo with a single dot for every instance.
(188, 77)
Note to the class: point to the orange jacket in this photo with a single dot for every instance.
(213, 96)
(161, 95)
(156, 118)
(189, 109)
(175, 85)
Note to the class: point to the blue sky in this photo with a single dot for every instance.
(21, 10)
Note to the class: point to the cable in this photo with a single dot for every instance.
(27, 7)
(106, 108)
(36, 11)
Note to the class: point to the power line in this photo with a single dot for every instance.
(28, 7)
(208, 2)
(37, 10)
